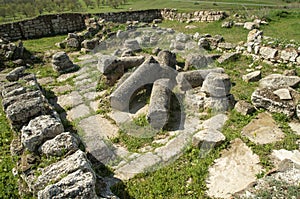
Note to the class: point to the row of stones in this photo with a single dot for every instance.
(42, 133)
(288, 55)
(204, 16)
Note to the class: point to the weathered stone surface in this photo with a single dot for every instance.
(244, 107)
(216, 85)
(144, 163)
(228, 57)
(15, 74)
(132, 44)
(208, 137)
(167, 58)
(295, 126)
(60, 145)
(289, 55)
(279, 81)
(79, 184)
(265, 98)
(98, 125)
(282, 154)
(196, 60)
(107, 63)
(158, 113)
(174, 148)
(55, 172)
(233, 171)
(283, 94)
(79, 111)
(216, 122)
(195, 78)
(204, 43)
(20, 112)
(227, 24)
(181, 37)
(263, 130)
(26, 96)
(250, 25)
(252, 77)
(39, 130)
(110, 64)
(219, 104)
(62, 63)
(147, 73)
(226, 45)
(268, 52)
(70, 100)
(90, 44)
(255, 35)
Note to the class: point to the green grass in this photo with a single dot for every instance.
(8, 182)
(43, 44)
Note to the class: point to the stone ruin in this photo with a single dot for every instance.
(196, 85)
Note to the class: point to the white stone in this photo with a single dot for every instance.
(283, 94)
(233, 171)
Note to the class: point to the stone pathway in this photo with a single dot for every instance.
(96, 130)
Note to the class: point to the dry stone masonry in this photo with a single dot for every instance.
(40, 131)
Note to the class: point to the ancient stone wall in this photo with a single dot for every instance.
(203, 16)
(41, 26)
(48, 25)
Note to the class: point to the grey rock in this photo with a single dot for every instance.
(195, 78)
(291, 72)
(244, 107)
(204, 43)
(196, 60)
(289, 55)
(107, 63)
(79, 184)
(216, 85)
(227, 24)
(265, 98)
(15, 74)
(55, 172)
(208, 137)
(255, 35)
(62, 63)
(39, 130)
(77, 112)
(250, 25)
(144, 163)
(73, 43)
(121, 34)
(252, 77)
(7, 101)
(145, 74)
(60, 145)
(216, 122)
(181, 37)
(277, 81)
(158, 113)
(228, 57)
(20, 112)
(268, 52)
(70, 100)
(167, 58)
(219, 104)
(226, 45)
(90, 44)
(132, 44)
(263, 130)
